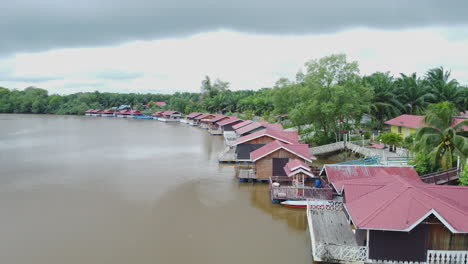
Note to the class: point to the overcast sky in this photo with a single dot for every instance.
(170, 45)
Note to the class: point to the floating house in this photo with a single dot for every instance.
(157, 115)
(107, 113)
(298, 183)
(206, 121)
(270, 159)
(170, 116)
(256, 126)
(213, 124)
(89, 112)
(406, 125)
(396, 218)
(189, 119)
(123, 113)
(198, 120)
(96, 112)
(241, 124)
(226, 126)
(134, 113)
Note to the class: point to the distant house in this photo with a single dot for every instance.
(107, 113)
(241, 124)
(202, 120)
(226, 125)
(160, 104)
(213, 127)
(123, 113)
(189, 119)
(407, 125)
(256, 126)
(89, 112)
(170, 116)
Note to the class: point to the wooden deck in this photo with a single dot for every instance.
(288, 192)
(331, 235)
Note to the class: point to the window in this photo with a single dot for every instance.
(399, 130)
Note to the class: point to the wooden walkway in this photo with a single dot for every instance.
(355, 147)
(331, 235)
(442, 177)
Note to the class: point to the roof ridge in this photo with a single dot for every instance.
(429, 194)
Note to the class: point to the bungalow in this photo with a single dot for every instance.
(398, 218)
(157, 115)
(407, 125)
(197, 119)
(189, 118)
(204, 120)
(170, 116)
(107, 113)
(272, 157)
(96, 112)
(213, 127)
(256, 126)
(246, 144)
(241, 124)
(123, 113)
(134, 113)
(88, 112)
(226, 125)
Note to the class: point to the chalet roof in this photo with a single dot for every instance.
(338, 174)
(192, 115)
(160, 103)
(89, 111)
(242, 124)
(297, 166)
(416, 121)
(124, 112)
(228, 121)
(217, 118)
(170, 112)
(135, 112)
(399, 203)
(158, 113)
(108, 111)
(203, 115)
(290, 137)
(300, 150)
(412, 121)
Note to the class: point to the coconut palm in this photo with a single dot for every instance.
(385, 104)
(444, 88)
(440, 138)
(413, 94)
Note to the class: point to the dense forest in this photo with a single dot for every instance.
(330, 95)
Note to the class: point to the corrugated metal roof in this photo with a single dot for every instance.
(412, 121)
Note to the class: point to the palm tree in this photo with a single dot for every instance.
(413, 93)
(444, 88)
(385, 104)
(440, 138)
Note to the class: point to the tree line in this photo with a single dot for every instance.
(328, 97)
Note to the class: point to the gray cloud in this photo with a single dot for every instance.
(31, 25)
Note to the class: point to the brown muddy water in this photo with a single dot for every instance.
(110, 190)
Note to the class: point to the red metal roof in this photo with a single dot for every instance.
(228, 121)
(416, 121)
(290, 137)
(108, 112)
(160, 103)
(135, 112)
(124, 112)
(89, 111)
(200, 117)
(242, 124)
(398, 202)
(170, 112)
(297, 166)
(300, 150)
(249, 127)
(412, 121)
(337, 174)
(192, 115)
(217, 118)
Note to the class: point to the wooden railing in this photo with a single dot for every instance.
(285, 191)
(447, 257)
(442, 176)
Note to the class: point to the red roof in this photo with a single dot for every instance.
(242, 124)
(158, 113)
(290, 137)
(378, 146)
(396, 202)
(274, 125)
(249, 127)
(416, 121)
(170, 112)
(124, 112)
(160, 103)
(300, 150)
(297, 166)
(412, 121)
(108, 111)
(135, 112)
(228, 121)
(89, 111)
(337, 174)
(192, 115)
(200, 117)
(217, 118)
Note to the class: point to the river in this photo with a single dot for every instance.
(77, 189)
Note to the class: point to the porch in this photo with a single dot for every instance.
(282, 188)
